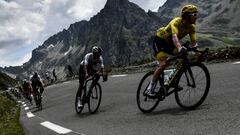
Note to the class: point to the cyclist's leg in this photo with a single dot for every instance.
(81, 78)
(162, 59)
(81, 84)
(40, 84)
(161, 56)
(95, 79)
(28, 95)
(34, 94)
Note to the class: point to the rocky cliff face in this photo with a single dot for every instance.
(124, 32)
(214, 15)
(121, 28)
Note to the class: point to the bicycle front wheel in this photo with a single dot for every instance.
(144, 102)
(95, 97)
(196, 83)
(38, 100)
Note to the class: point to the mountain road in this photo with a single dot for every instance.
(119, 115)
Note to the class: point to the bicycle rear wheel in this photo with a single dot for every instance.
(144, 102)
(95, 97)
(193, 96)
(77, 98)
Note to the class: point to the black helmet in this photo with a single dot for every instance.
(35, 74)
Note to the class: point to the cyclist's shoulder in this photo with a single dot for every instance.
(89, 54)
(177, 21)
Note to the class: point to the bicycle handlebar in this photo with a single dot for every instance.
(201, 57)
(92, 77)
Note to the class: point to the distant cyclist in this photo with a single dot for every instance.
(89, 66)
(36, 81)
(27, 90)
(48, 77)
(167, 42)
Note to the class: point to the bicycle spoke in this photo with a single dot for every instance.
(191, 97)
(94, 98)
(146, 104)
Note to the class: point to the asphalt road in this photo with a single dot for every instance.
(119, 114)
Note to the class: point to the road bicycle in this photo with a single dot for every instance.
(189, 81)
(91, 95)
(38, 98)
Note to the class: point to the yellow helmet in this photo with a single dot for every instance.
(189, 9)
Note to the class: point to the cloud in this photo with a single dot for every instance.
(14, 60)
(26, 24)
(152, 5)
(18, 22)
(88, 8)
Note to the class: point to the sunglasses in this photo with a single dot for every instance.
(193, 14)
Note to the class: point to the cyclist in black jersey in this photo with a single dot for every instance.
(36, 81)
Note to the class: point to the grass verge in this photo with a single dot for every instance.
(9, 117)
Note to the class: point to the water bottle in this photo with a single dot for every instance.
(168, 74)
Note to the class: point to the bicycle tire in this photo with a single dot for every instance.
(202, 71)
(78, 109)
(95, 93)
(38, 100)
(140, 92)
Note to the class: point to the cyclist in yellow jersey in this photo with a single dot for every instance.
(167, 38)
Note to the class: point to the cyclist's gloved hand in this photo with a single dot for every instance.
(182, 49)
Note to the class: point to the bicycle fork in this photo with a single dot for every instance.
(190, 78)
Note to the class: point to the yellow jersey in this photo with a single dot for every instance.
(177, 26)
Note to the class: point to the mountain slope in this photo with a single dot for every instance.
(6, 81)
(124, 32)
(121, 28)
(214, 15)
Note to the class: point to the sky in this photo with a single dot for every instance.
(26, 24)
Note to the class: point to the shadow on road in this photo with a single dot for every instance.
(84, 114)
(178, 111)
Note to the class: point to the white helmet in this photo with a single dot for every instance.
(96, 49)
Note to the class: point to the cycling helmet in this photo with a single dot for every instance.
(25, 81)
(189, 9)
(35, 74)
(96, 49)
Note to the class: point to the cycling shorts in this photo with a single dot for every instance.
(162, 48)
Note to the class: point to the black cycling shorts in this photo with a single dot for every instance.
(163, 45)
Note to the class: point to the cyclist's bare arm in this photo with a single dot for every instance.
(176, 41)
(85, 70)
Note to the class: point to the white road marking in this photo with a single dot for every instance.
(26, 108)
(56, 128)
(23, 102)
(29, 115)
(66, 82)
(118, 75)
(24, 105)
(19, 101)
(238, 62)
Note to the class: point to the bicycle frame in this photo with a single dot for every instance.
(184, 68)
(183, 79)
(85, 86)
